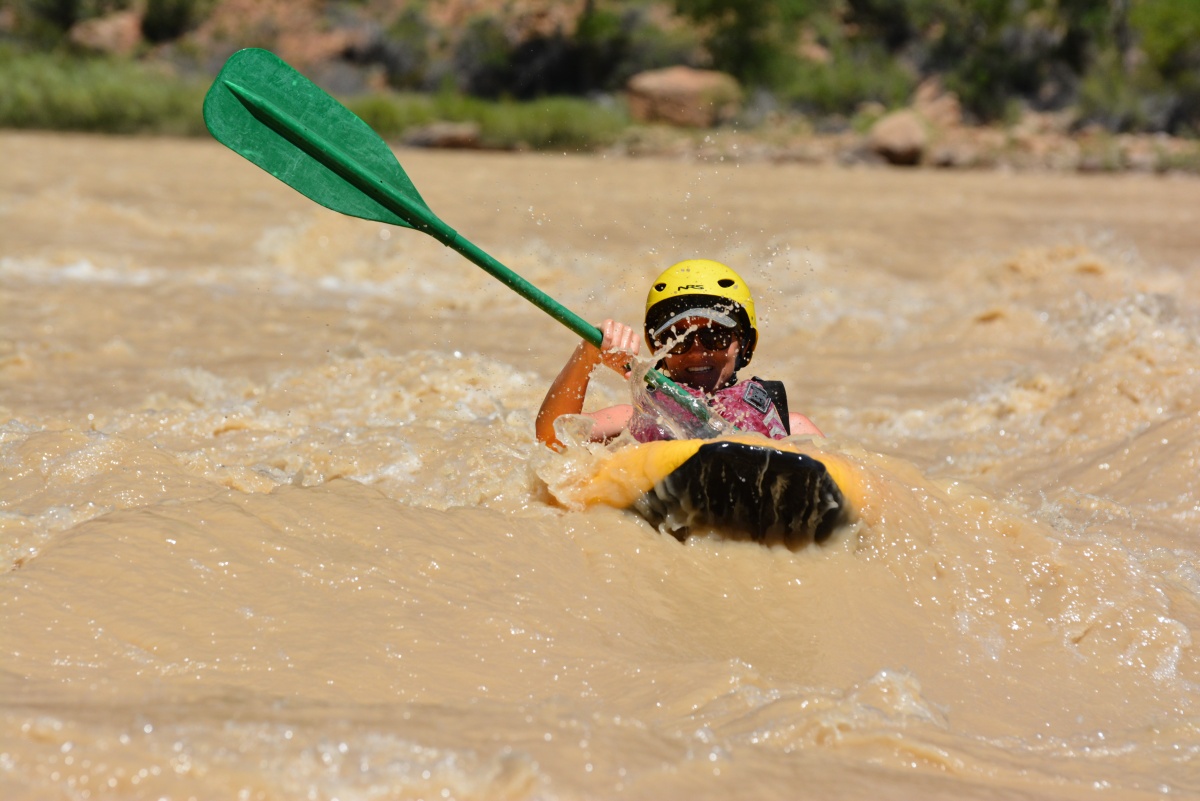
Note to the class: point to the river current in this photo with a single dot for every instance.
(274, 523)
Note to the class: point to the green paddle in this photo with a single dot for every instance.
(264, 110)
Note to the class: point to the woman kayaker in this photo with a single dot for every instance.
(700, 318)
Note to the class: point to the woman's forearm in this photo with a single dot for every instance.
(566, 393)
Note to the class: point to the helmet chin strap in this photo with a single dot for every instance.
(746, 344)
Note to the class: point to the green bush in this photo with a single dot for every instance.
(57, 92)
(551, 123)
(406, 52)
(556, 123)
(847, 81)
(483, 58)
(1152, 81)
(393, 114)
(1168, 33)
(750, 39)
(1109, 96)
(650, 47)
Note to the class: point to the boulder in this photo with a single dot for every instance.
(450, 135)
(119, 33)
(684, 96)
(899, 137)
(940, 108)
(958, 151)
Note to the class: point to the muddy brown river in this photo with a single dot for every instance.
(274, 523)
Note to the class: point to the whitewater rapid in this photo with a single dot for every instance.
(274, 524)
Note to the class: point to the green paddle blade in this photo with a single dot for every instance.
(266, 111)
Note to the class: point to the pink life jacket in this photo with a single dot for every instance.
(747, 404)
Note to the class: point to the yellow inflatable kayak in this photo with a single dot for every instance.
(766, 489)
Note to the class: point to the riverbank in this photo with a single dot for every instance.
(1035, 145)
(48, 93)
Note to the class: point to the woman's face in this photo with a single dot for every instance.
(701, 365)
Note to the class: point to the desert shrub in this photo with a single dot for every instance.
(403, 50)
(1109, 97)
(166, 20)
(393, 114)
(847, 81)
(1167, 32)
(59, 92)
(481, 58)
(546, 123)
(551, 123)
(608, 46)
(750, 39)
(992, 52)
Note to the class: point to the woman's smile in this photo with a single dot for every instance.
(701, 368)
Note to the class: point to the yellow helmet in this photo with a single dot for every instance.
(702, 288)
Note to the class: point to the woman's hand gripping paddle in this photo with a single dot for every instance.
(262, 109)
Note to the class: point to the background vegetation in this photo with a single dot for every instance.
(55, 91)
(1125, 65)
(1130, 65)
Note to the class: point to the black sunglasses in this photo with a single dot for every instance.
(712, 337)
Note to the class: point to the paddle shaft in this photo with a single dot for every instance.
(416, 215)
(519, 285)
